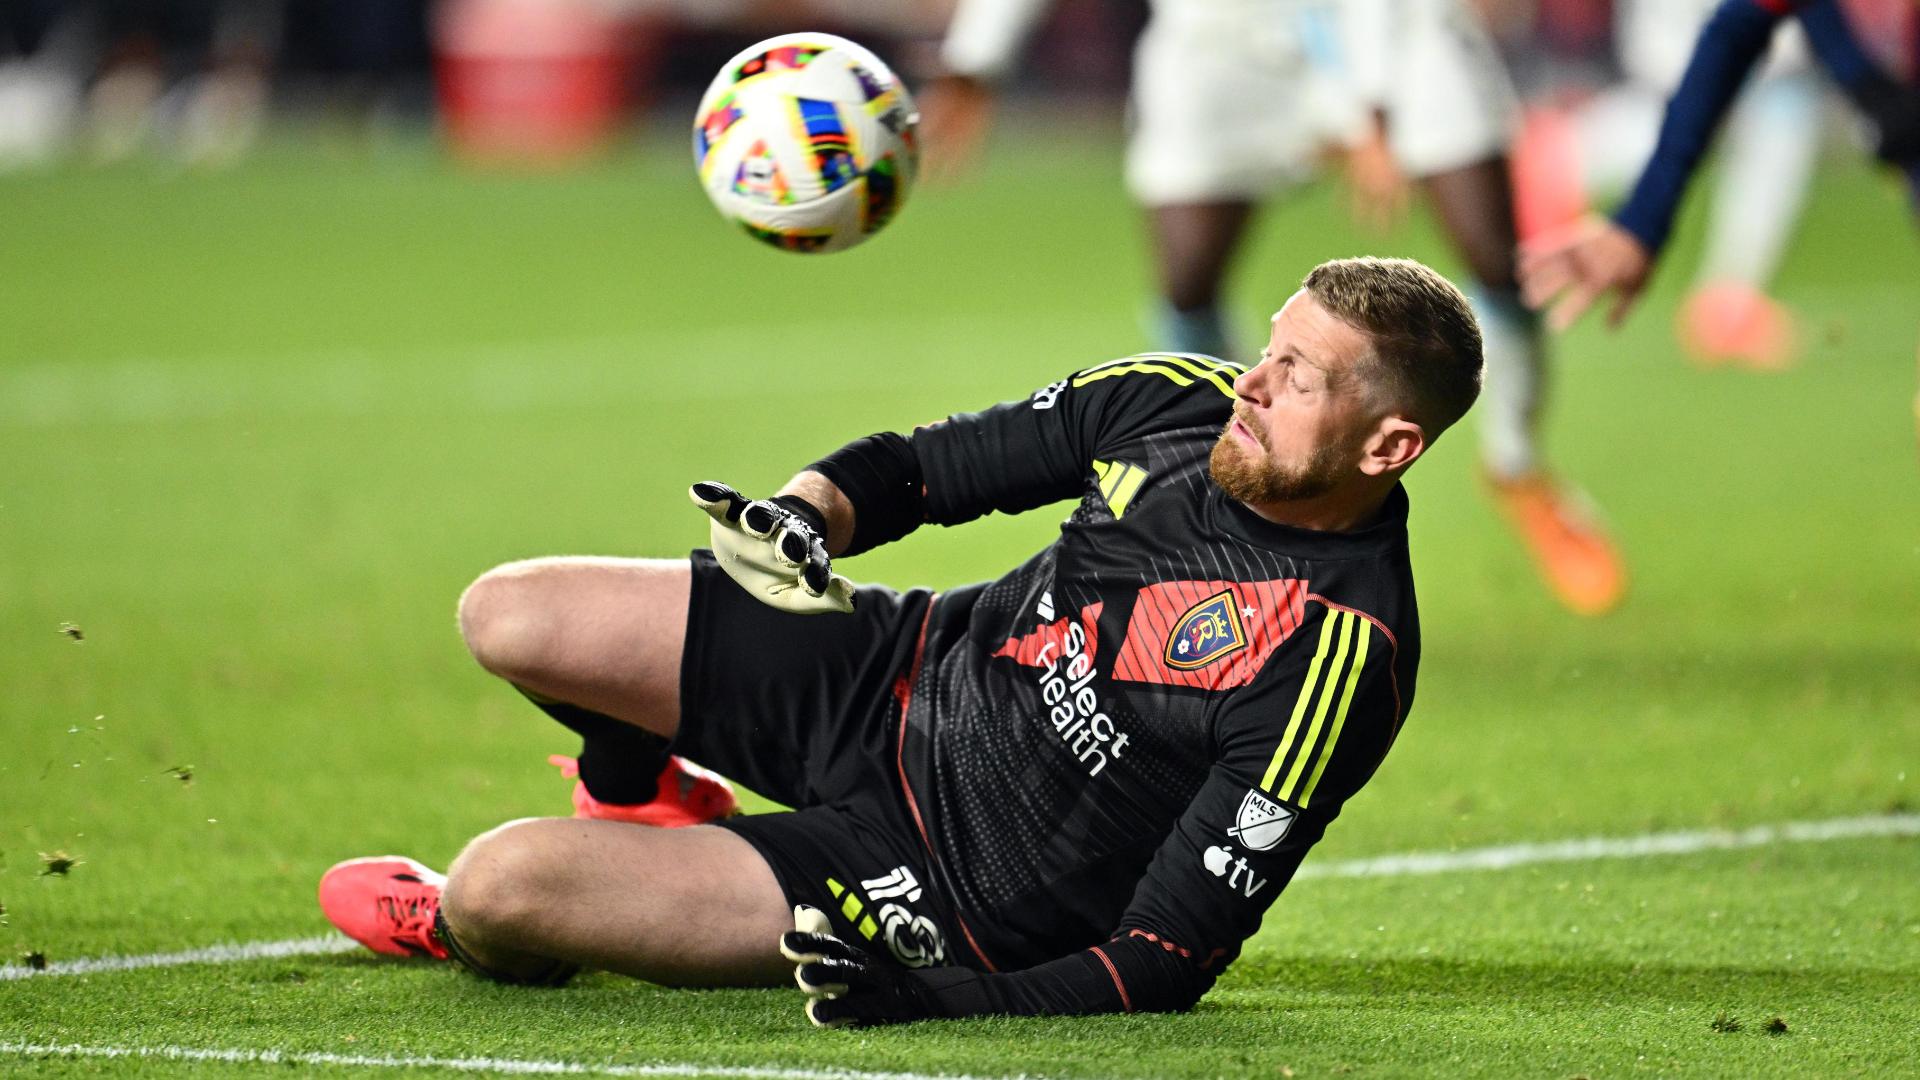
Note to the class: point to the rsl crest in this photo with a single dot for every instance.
(1210, 630)
(1261, 822)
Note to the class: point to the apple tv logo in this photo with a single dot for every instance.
(1221, 862)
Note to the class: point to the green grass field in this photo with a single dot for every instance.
(257, 431)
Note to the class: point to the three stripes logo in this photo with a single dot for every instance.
(1321, 710)
(1119, 483)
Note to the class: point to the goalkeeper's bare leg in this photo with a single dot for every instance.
(540, 897)
(596, 643)
(533, 900)
(603, 634)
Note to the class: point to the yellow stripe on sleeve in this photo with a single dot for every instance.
(1340, 716)
(1205, 371)
(1300, 705)
(1157, 366)
(1125, 488)
(1292, 782)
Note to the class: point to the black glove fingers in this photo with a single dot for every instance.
(825, 946)
(832, 1013)
(832, 978)
(793, 542)
(713, 491)
(816, 575)
(761, 518)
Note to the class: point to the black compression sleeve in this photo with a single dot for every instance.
(1130, 974)
(880, 476)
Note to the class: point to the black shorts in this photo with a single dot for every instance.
(802, 709)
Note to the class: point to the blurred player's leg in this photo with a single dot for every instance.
(1193, 247)
(596, 643)
(1767, 159)
(1220, 118)
(1572, 549)
(1766, 164)
(1451, 125)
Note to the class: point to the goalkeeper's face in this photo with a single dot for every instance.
(1306, 412)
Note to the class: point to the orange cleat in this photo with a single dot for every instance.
(385, 902)
(1562, 531)
(1728, 322)
(688, 795)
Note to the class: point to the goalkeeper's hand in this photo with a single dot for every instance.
(775, 548)
(846, 987)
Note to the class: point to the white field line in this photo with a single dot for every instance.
(1508, 856)
(216, 954)
(1504, 857)
(507, 1066)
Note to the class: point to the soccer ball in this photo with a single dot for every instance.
(806, 141)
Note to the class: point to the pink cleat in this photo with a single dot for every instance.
(385, 902)
(688, 795)
(1728, 322)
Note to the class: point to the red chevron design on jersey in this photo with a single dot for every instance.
(1026, 649)
(1269, 612)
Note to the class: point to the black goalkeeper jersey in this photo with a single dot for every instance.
(1118, 753)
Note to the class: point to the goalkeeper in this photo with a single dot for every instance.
(1071, 790)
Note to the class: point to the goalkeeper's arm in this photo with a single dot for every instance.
(869, 492)
(863, 495)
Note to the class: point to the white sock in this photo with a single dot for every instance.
(1515, 387)
(1616, 133)
(1766, 163)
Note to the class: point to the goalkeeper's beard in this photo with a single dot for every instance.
(1258, 480)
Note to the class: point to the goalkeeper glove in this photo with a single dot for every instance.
(849, 988)
(775, 548)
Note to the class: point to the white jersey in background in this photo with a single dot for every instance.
(1233, 98)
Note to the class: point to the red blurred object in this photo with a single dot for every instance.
(1890, 31)
(1549, 195)
(534, 82)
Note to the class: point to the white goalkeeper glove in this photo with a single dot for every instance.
(772, 549)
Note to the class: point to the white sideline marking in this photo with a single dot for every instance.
(511, 1066)
(1411, 864)
(216, 954)
(1622, 847)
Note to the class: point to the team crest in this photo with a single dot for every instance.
(1261, 822)
(1209, 630)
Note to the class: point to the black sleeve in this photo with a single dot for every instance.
(1022, 454)
(1294, 747)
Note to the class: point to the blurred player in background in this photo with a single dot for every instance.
(1615, 257)
(1766, 164)
(1231, 101)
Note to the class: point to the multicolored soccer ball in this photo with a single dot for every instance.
(807, 142)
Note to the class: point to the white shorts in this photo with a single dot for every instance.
(1232, 100)
(1656, 38)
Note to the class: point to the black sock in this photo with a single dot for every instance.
(619, 763)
